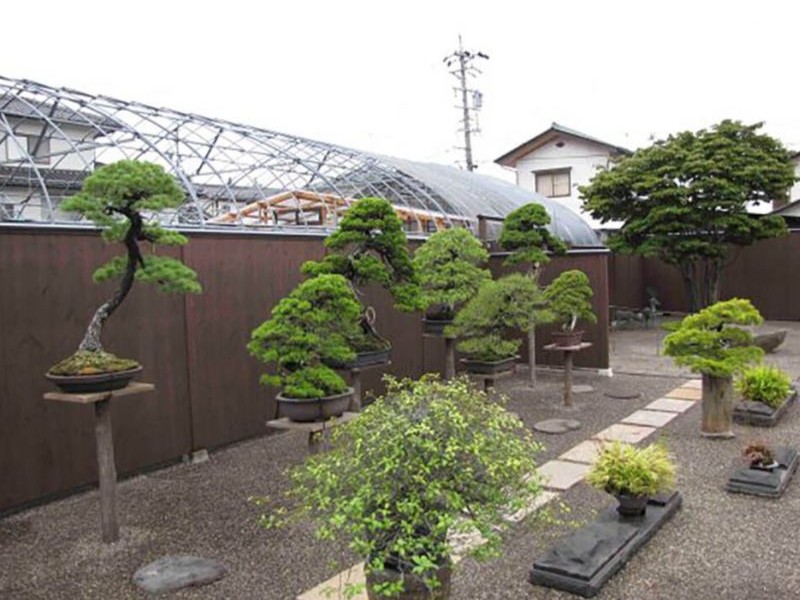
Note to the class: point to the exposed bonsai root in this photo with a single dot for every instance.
(85, 362)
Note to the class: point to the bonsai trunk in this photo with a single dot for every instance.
(717, 407)
(701, 281)
(91, 339)
(450, 357)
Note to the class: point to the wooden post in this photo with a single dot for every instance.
(568, 378)
(450, 357)
(532, 355)
(355, 402)
(717, 405)
(106, 469)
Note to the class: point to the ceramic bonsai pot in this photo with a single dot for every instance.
(480, 367)
(433, 326)
(565, 339)
(305, 410)
(90, 384)
(631, 506)
(415, 589)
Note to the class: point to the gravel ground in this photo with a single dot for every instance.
(718, 545)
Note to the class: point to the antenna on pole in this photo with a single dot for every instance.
(460, 65)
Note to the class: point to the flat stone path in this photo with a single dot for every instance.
(559, 474)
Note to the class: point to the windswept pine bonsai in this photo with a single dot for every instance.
(117, 198)
(370, 246)
(526, 235)
(569, 297)
(711, 343)
(306, 330)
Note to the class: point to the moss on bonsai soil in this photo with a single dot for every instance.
(84, 362)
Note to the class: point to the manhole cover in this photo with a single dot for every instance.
(623, 395)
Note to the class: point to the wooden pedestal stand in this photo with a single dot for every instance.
(488, 379)
(317, 430)
(568, 352)
(449, 354)
(355, 378)
(106, 466)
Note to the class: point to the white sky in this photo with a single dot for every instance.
(369, 75)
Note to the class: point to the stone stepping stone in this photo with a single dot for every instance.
(585, 452)
(629, 434)
(554, 426)
(651, 418)
(694, 384)
(622, 395)
(683, 393)
(581, 388)
(670, 405)
(562, 475)
(172, 573)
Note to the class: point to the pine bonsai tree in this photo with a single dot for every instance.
(526, 235)
(370, 246)
(308, 329)
(569, 297)
(116, 198)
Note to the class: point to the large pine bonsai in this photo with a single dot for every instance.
(117, 198)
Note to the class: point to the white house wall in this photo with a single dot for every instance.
(795, 193)
(63, 153)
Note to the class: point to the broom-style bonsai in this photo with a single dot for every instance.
(117, 198)
(370, 246)
(569, 297)
(526, 235)
(710, 343)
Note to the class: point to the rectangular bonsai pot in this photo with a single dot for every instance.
(435, 326)
(480, 367)
(759, 414)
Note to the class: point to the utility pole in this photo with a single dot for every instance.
(460, 65)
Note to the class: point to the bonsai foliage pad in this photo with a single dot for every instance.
(582, 562)
(771, 484)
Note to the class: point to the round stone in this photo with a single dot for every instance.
(172, 573)
(582, 389)
(554, 426)
(622, 395)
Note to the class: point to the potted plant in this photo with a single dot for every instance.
(766, 385)
(402, 477)
(116, 198)
(633, 475)
(569, 297)
(510, 304)
(526, 236)
(711, 343)
(449, 266)
(760, 456)
(370, 246)
(308, 328)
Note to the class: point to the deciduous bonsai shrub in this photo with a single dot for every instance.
(307, 329)
(427, 459)
(569, 298)
(450, 270)
(758, 455)
(763, 383)
(370, 246)
(711, 342)
(118, 198)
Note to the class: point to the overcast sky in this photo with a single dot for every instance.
(369, 75)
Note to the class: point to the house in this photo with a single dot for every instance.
(557, 161)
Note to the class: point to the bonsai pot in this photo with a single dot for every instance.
(306, 410)
(480, 367)
(760, 466)
(413, 587)
(565, 339)
(90, 384)
(631, 506)
(434, 326)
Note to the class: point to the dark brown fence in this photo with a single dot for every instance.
(193, 349)
(765, 273)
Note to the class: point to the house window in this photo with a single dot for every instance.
(553, 184)
(39, 149)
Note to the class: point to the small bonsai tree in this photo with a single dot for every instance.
(428, 459)
(526, 236)
(509, 304)
(569, 297)
(370, 246)
(758, 455)
(308, 329)
(709, 342)
(116, 198)
(763, 383)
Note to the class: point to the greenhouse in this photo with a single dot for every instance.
(235, 176)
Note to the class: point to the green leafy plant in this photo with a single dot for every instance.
(427, 459)
(306, 330)
(526, 235)
(685, 200)
(625, 469)
(509, 304)
(763, 383)
(116, 198)
(449, 267)
(710, 342)
(569, 297)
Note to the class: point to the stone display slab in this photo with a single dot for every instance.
(685, 393)
(582, 562)
(562, 475)
(650, 418)
(759, 414)
(629, 434)
(172, 573)
(771, 484)
(554, 426)
(670, 405)
(585, 452)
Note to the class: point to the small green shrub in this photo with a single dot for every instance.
(623, 468)
(569, 297)
(764, 383)
(526, 235)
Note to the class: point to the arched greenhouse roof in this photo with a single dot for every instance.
(234, 175)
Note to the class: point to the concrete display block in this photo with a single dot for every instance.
(771, 484)
(759, 414)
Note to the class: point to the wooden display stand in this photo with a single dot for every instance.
(488, 379)
(316, 430)
(355, 375)
(106, 466)
(568, 352)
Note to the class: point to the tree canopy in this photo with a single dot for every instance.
(685, 199)
(526, 235)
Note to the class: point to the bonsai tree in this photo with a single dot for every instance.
(116, 198)
(709, 342)
(632, 474)
(569, 297)
(766, 384)
(306, 329)
(526, 236)
(428, 459)
(370, 247)
(759, 455)
(511, 303)
(684, 200)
